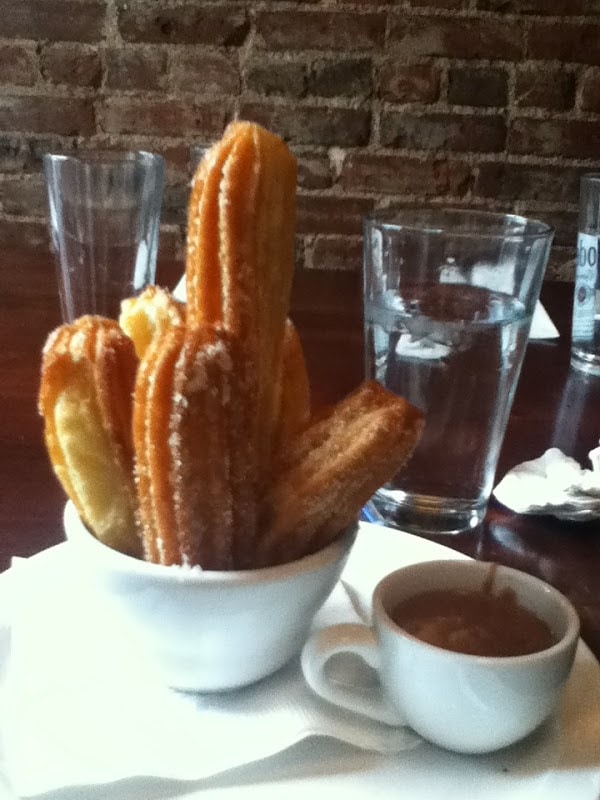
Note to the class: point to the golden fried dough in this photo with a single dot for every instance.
(153, 312)
(194, 462)
(240, 258)
(87, 379)
(332, 468)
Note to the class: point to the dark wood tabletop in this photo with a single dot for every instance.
(554, 406)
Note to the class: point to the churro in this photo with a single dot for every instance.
(240, 258)
(88, 373)
(153, 312)
(330, 470)
(194, 466)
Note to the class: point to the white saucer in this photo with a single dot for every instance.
(559, 761)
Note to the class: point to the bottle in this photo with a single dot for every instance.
(585, 334)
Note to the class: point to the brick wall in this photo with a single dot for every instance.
(488, 103)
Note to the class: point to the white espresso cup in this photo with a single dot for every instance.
(205, 630)
(465, 703)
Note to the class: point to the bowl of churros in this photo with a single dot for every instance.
(201, 484)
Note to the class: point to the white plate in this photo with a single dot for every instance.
(561, 760)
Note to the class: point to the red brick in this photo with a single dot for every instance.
(565, 41)
(40, 145)
(341, 76)
(331, 214)
(24, 196)
(409, 83)
(455, 4)
(404, 175)
(71, 64)
(44, 114)
(563, 222)
(460, 132)
(183, 23)
(314, 172)
(545, 86)
(276, 77)
(459, 37)
(18, 64)
(590, 90)
(336, 253)
(528, 182)
(204, 72)
(486, 86)
(549, 7)
(167, 117)
(344, 127)
(134, 68)
(14, 154)
(53, 20)
(177, 157)
(553, 137)
(321, 30)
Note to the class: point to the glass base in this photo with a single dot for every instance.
(585, 361)
(419, 513)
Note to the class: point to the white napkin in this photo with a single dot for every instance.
(542, 326)
(78, 709)
(553, 484)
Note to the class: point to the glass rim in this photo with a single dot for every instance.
(392, 220)
(105, 157)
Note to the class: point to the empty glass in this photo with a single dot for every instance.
(104, 221)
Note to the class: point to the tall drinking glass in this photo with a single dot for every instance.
(585, 339)
(448, 301)
(104, 220)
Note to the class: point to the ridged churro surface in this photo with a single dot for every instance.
(331, 468)
(240, 255)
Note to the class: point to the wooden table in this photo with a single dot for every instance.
(553, 406)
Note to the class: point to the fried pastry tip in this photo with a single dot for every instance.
(152, 313)
(88, 373)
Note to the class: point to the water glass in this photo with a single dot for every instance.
(585, 337)
(104, 221)
(448, 301)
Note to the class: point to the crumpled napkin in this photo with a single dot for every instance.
(553, 484)
(78, 709)
(542, 326)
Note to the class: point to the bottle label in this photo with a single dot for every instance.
(586, 275)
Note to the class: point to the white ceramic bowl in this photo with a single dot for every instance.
(212, 631)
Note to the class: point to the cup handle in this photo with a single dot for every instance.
(358, 640)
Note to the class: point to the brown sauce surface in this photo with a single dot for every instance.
(476, 622)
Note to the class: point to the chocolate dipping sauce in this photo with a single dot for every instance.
(481, 623)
